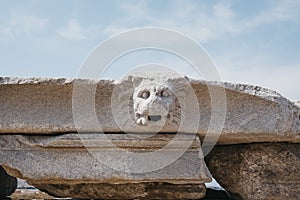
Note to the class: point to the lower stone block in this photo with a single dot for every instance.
(257, 171)
(67, 166)
(150, 190)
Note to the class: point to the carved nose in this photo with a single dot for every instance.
(154, 118)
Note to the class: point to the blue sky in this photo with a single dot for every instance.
(256, 42)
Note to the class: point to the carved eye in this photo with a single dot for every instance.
(164, 93)
(145, 94)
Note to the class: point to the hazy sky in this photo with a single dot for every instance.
(255, 42)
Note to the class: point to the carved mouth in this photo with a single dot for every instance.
(144, 120)
(154, 118)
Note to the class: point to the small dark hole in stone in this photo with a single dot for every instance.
(154, 118)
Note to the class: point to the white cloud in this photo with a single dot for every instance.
(27, 23)
(203, 22)
(135, 10)
(279, 11)
(72, 31)
(281, 79)
(199, 21)
(284, 80)
(20, 25)
(114, 29)
(6, 32)
(207, 23)
(223, 11)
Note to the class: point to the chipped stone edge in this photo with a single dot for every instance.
(267, 94)
(253, 90)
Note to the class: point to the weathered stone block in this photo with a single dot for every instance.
(46, 151)
(150, 190)
(257, 171)
(69, 162)
(44, 106)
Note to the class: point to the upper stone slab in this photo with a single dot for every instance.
(148, 103)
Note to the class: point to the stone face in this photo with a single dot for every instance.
(44, 106)
(155, 98)
(257, 171)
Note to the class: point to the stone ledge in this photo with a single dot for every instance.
(44, 106)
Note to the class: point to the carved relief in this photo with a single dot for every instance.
(150, 104)
(154, 102)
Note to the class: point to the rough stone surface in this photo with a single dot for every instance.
(26, 194)
(40, 118)
(150, 190)
(257, 171)
(297, 103)
(57, 161)
(44, 106)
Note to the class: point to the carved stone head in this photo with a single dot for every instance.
(152, 102)
(149, 102)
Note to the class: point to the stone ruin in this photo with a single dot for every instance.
(49, 137)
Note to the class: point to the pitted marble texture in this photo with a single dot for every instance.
(257, 171)
(39, 143)
(44, 106)
(64, 166)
